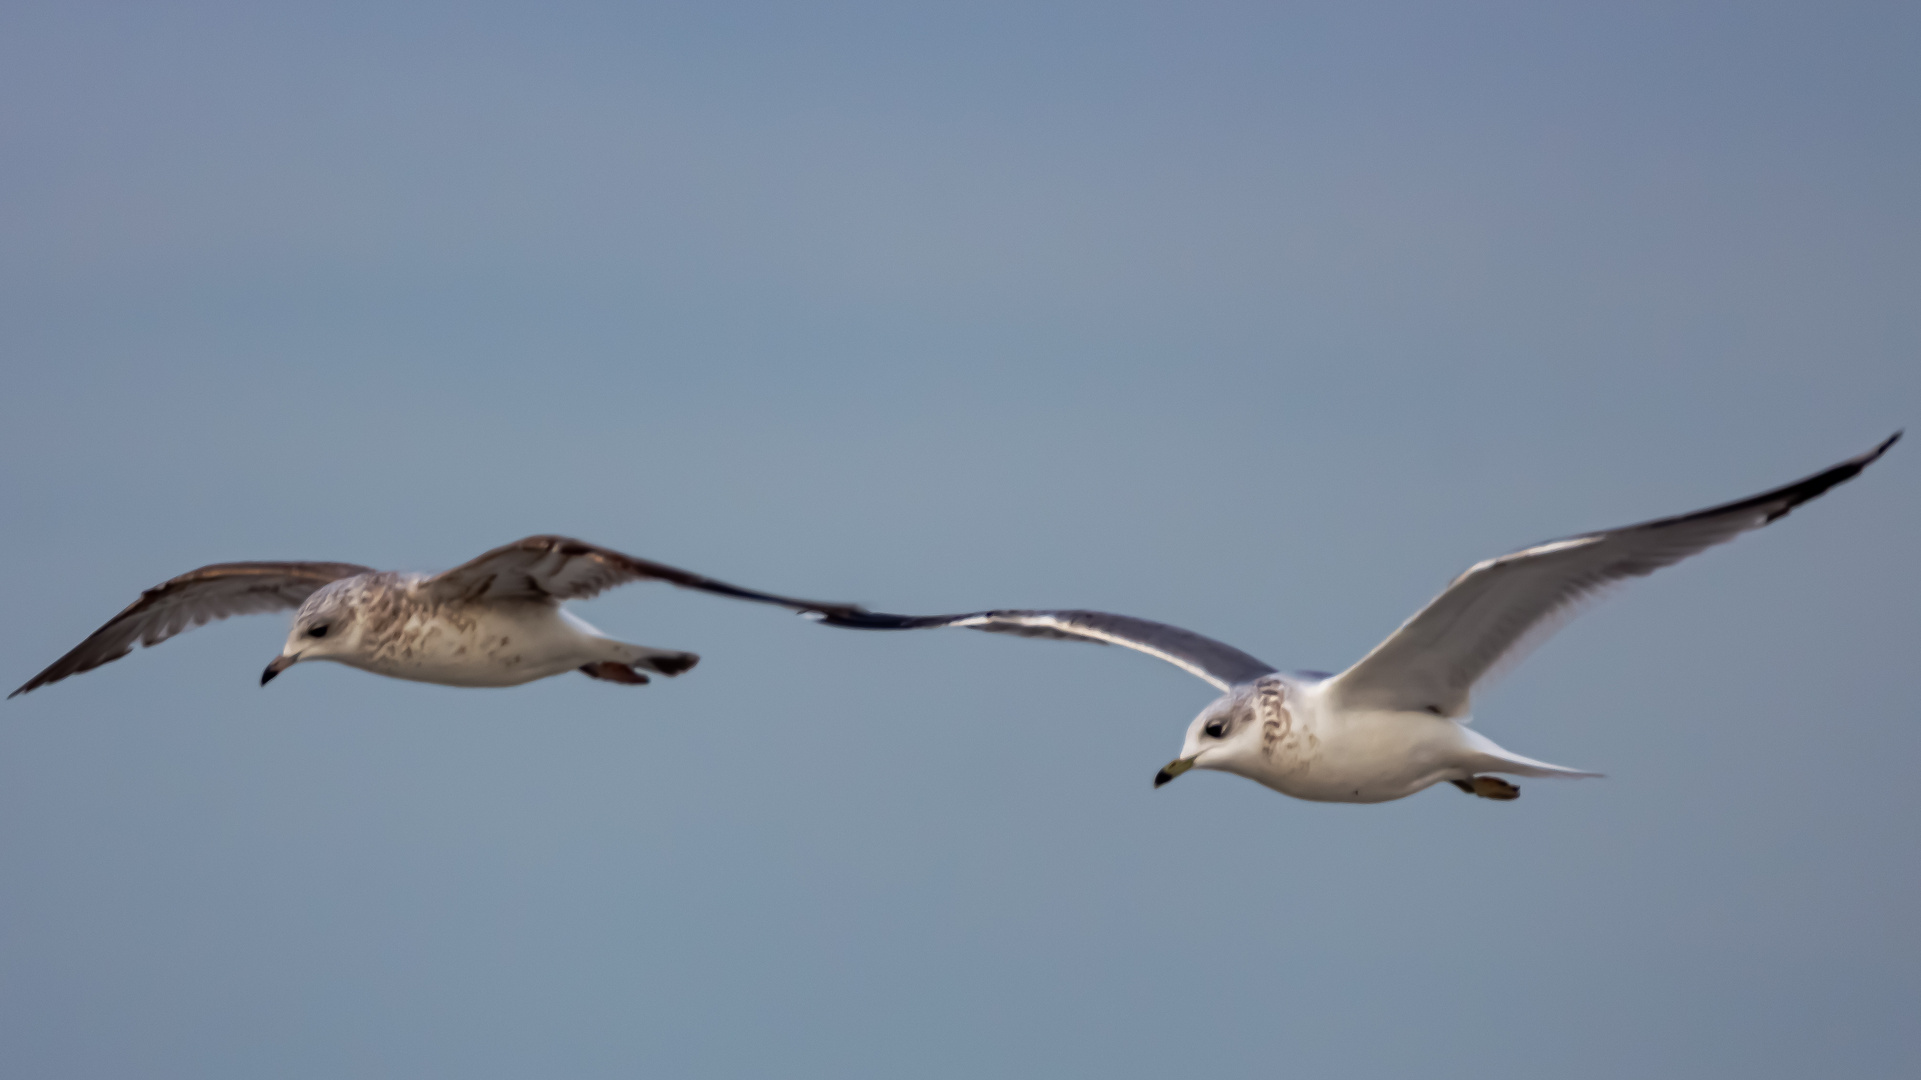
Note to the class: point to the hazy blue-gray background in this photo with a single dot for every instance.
(1261, 321)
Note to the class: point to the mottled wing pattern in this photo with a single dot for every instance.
(1220, 664)
(562, 568)
(194, 599)
(1498, 607)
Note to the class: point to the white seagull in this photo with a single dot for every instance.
(1396, 722)
(495, 621)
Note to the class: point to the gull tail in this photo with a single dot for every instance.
(1487, 756)
(597, 648)
(660, 661)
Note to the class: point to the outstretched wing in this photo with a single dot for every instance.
(562, 568)
(1489, 614)
(1223, 665)
(194, 599)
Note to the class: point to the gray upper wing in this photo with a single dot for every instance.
(1501, 605)
(194, 599)
(1223, 665)
(562, 568)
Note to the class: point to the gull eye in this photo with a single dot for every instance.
(317, 631)
(1216, 728)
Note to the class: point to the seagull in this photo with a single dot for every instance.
(1396, 722)
(495, 621)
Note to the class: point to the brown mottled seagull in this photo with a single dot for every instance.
(1396, 722)
(495, 621)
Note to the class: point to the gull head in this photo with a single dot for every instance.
(1219, 736)
(325, 628)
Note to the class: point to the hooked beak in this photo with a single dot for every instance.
(1174, 768)
(280, 664)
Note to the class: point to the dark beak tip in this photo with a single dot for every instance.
(1162, 777)
(267, 675)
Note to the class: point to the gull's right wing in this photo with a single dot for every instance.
(194, 599)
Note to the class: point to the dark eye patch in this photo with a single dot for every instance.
(1217, 728)
(317, 631)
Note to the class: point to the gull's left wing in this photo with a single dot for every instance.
(1202, 657)
(557, 568)
(1500, 606)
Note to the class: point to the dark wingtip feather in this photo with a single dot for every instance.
(862, 619)
(1819, 483)
(54, 674)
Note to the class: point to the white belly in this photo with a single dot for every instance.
(1360, 757)
(482, 645)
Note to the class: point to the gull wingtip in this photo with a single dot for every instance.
(1874, 455)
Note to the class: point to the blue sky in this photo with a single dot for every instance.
(1265, 321)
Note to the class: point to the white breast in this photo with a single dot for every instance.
(1328, 755)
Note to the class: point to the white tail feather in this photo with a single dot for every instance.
(1496, 759)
